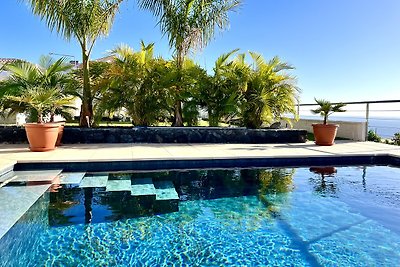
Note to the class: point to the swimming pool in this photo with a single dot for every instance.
(321, 216)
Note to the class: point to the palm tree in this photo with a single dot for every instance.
(221, 95)
(21, 91)
(135, 81)
(84, 20)
(326, 108)
(48, 72)
(269, 91)
(189, 25)
(42, 100)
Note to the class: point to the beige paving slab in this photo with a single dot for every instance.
(183, 152)
(150, 151)
(186, 151)
(395, 153)
(214, 151)
(269, 150)
(9, 154)
(112, 153)
(27, 155)
(71, 154)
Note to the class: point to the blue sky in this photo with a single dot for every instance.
(343, 50)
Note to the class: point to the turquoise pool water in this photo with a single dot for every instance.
(345, 216)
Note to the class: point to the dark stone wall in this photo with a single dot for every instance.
(12, 135)
(73, 135)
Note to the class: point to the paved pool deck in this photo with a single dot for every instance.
(11, 154)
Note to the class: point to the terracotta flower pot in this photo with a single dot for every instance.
(324, 134)
(41, 136)
(60, 132)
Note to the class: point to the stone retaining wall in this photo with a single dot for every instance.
(73, 135)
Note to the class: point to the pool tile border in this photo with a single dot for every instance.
(196, 163)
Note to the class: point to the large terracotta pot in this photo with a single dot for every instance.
(60, 132)
(324, 134)
(41, 136)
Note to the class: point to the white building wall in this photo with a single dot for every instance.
(350, 130)
(8, 119)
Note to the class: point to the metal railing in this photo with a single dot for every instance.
(382, 116)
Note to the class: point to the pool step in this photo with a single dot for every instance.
(19, 190)
(143, 187)
(15, 201)
(94, 181)
(6, 178)
(71, 177)
(118, 185)
(23, 177)
(6, 166)
(165, 191)
(167, 199)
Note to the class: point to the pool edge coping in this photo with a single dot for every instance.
(206, 162)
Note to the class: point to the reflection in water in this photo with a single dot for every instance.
(88, 204)
(71, 204)
(324, 183)
(364, 175)
(275, 184)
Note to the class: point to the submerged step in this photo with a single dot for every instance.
(167, 199)
(165, 190)
(15, 201)
(94, 181)
(6, 178)
(71, 177)
(143, 187)
(34, 176)
(118, 185)
(6, 166)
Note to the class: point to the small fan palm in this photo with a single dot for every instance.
(42, 100)
(326, 108)
(27, 79)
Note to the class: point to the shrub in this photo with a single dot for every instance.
(373, 136)
(396, 139)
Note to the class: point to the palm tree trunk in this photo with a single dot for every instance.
(86, 108)
(178, 120)
(212, 119)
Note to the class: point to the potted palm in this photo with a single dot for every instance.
(38, 90)
(325, 133)
(42, 136)
(62, 105)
